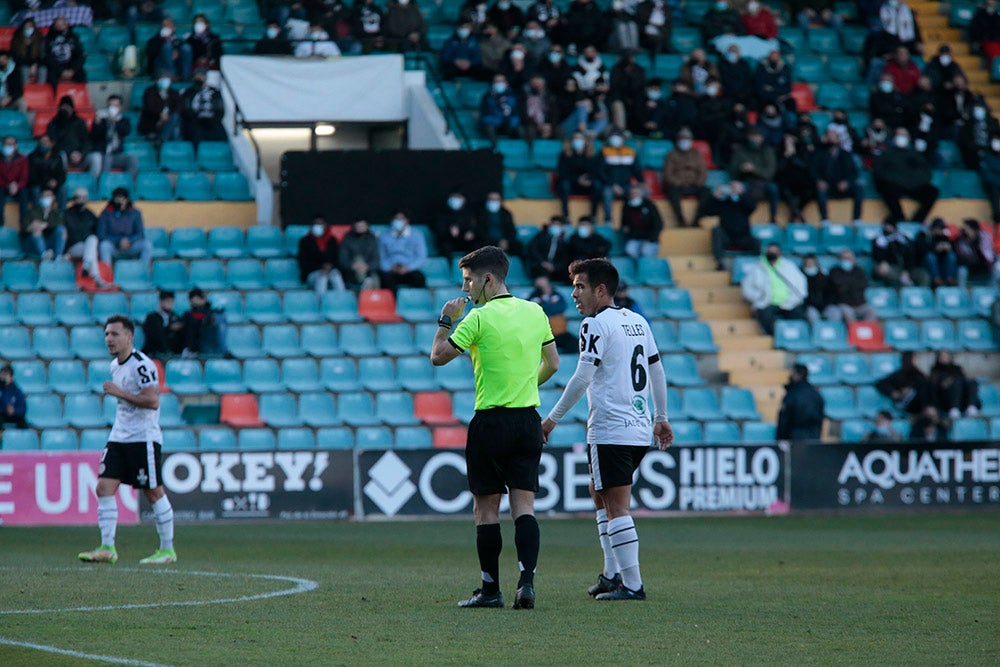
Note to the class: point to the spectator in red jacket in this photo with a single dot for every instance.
(759, 21)
(13, 177)
(903, 70)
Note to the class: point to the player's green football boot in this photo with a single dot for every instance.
(106, 553)
(160, 557)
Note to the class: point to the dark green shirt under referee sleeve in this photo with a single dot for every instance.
(504, 338)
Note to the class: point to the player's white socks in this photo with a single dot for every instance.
(163, 512)
(625, 541)
(610, 564)
(107, 518)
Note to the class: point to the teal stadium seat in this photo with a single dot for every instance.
(31, 376)
(968, 429)
(67, 376)
(14, 123)
(834, 96)
(59, 440)
(701, 403)
(758, 432)
(358, 340)
(246, 274)
(456, 376)
(417, 374)
(282, 341)
(185, 376)
(681, 370)
(793, 335)
(982, 298)
(852, 369)
(688, 433)
(938, 334)
(114, 179)
(738, 403)
(378, 374)
(665, 335)
(19, 276)
(654, 152)
(885, 301)
(45, 411)
(840, 403)
(684, 39)
(976, 335)
(395, 339)
(515, 153)
(95, 439)
(224, 376)
(194, 186)
(534, 185)
(84, 410)
(413, 437)
(144, 152)
(801, 239)
(768, 232)
(264, 307)
(917, 302)
(207, 274)
(338, 437)
(341, 307)
(264, 241)
(52, 343)
(844, 69)
(10, 246)
(16, 343)
(300, 374)
(282, 273)
(416, 305)
(696, 337)
(546, 153)
(357, 409)
(215, 156)
(320, 340)
(232, 186)
(395, 408)
(189, 243)
(153, 186)
(178, 156)
(318, 409)
(171, 274)
(675, 303)
(7, 309)
(296, 439)
(820, 368)
(19, 440)
(73, 308)
(216, 438)
(34, 309)
(654, 271)
(824, 41)
(262, 376)
(964, 184)
(170, 411)
(230, 301)
(226, 242)
(831, 337)
(374, 437)
(57, 276)
(256, 439)
(809, 68)
(722, 433)
(835, 237)
(279, 410)
(302, 306)
(853, 39)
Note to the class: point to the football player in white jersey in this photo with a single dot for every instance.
(619, 369)
(132, 455)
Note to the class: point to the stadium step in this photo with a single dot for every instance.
(690, 262)
(686, 241)
(702, 295)
(743, 341)
(734, 327)
(689, 279)
(756, 360)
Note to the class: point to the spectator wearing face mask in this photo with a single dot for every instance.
(63, 54)
(974, 136)
(955, 106)
(902, 171)
(550, 17)
(928, 426)
(835, 175)
(499, 111)
(461, 54)
(318, 257)
(714, 109)
(14, 178)
(536, 43)
(775, 288)
(273, 42)
(515, 68)
(989, 174)
(620, 165)
(685, 175)
(494, 225)
(81, 235)
(585, 243)
(895, 259)
(720, 19)
(802, 409)
(26, 50)
(317, 44)
(46, 170)
(755, 164)
(655, 19)
(773, 81)
(984, 30)
(578, 172)
(640, 225)
(875, 140)
(733, 204)
(974, 252)
(655, 115)
(903, 71)
(358, 258)
(897, 20)
(506, 16)
(402, 253)
(541, 110)
(937, 252)
(160, 116)
(120, 230)
(882, 430)
(796, 184)
(70, 134)
(697, 70)
(680, 110)
(888, 103)
(405, 28)
(107, 141)
(547, 253)
(555, 69)
(627, 90)
(494, 46)
(954, 393)
(759, 21)
(167, 52)
(455, 227)
(848, 283)
(201, 111)
(585, 24)
(206, 46)
(43, 233)
(942, 69)
(817, 289)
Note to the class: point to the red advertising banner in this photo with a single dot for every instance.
(39, 488)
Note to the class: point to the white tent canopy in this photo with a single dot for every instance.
(288, 90)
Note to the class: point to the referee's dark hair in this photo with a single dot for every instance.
(488, 259)
(125, 321)
(599, 271)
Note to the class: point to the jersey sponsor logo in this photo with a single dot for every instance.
(639, 404)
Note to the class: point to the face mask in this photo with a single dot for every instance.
(945, 60)
(534, 34)
(846, 265)
(404, 2)
(772, 257)
(995, 145)
(753, 6)
(555, 57)
(397, 225)
(318, 230)
(712, 90)
(722, 6)
(901, 142)
(166, 32)
(28, 32)
(463, 33)
(317, 36)
(885, 86)
(811, 271)
(114, 111)
(455, 203)
(499, 88)
(517, 55)
(635, 201)
(8, 151)
(583, 232)
(653, 94)
(503, 5)
(684, 144)
(45, 202)
(616, 141)
(732, 56)
(272, 33)
(493, 206)
(882, 430)
(979, 113)
(555, 230)
(199, 28)
(920, 145)
(618, 6)
(163, 83)
(579, 145)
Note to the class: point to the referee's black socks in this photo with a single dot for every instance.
(489, 543)
(526, 540)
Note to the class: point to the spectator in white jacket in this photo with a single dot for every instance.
(317, 43)
(775, 288)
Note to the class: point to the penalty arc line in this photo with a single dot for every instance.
(301, 586)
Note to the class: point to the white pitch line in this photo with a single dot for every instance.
(79, 654)
(301, 586)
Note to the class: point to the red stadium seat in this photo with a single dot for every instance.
(240, 410)
(706, 152)
(867, 336)
(42, 118)
(450, 437)
(651, 178)
(78, 91)
(339, 232)
(803, 96)
(378, 305)
(434, 408)
(38, 96)
(6, 35)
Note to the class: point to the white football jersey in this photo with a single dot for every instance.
(620, 344)
(132, 423)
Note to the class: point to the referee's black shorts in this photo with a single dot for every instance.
(503, 449)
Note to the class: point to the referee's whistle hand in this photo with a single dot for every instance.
(454, 308)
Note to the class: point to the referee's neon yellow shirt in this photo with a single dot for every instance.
(504, 338)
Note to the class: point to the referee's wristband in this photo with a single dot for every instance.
(444, 321)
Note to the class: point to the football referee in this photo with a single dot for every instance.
(513, 351)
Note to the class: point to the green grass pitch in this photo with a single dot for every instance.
(875, 590)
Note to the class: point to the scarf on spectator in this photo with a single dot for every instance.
(898, 21)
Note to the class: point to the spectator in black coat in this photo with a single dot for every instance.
(954, 392)
(733, 203)
(902, 171)
(555, 69)
(937, 252)
(975, 134)
(641, 224)
(540, 115)
(800, 418)
(107, 140)
(627, 91)
(461, 54)
(894, 258)
(817, 289)
(848, 282)
(160, 117)
(989, 174)
(206, 46)
(794, 177)
(680, 110)
(928, 426)
(585, 24)
(887, 103)
(907, 387)
(836, 177)
(547, 253)
(273, 43)
(714, 108)
(63, 54)
(46, 170)
(13, 407)
(586, 243)
(318, 258)
(721, 19)
(163, 328)
(359, 257)
(495, 225)
(984, 30)
(455, 227)
(773, 82)
(167, 52)
(204, 326)
(736, 76)
(942, 69)
(653, 118)
(70, 133)
(201, 111)
(578, 171)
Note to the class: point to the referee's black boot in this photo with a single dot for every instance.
(480, 599)
(605, 585)
(525, 598)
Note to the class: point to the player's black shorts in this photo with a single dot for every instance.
(138, 464)
(614, 465)
(503, 449)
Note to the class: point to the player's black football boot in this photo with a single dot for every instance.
(605, 585)
(480, 599)
(525, 598)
